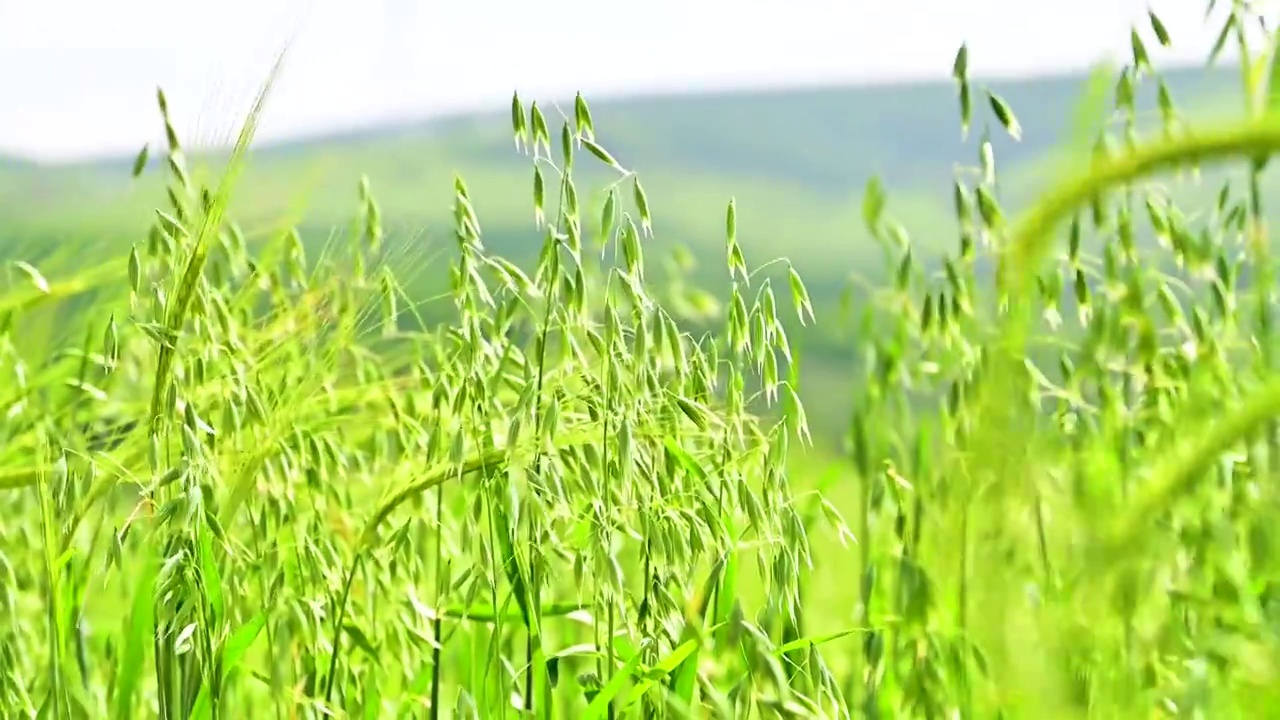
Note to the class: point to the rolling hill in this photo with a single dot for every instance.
(795, 160)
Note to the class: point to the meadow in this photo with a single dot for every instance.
(256, 467)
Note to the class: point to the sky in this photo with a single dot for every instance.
(79, 77)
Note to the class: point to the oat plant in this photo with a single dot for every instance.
(253, 482)
(243, 477)
(1063, 437)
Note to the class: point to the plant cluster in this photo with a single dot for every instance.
(255, 487)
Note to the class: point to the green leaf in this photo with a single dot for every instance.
(137, 638)
(505, 535)
(799, 295)
(87, 388)
(727, 581)
(599, 706)
(608, 213)
(960, 66)
(541, 135)
(1162, 34)
(361, 640)
(642, 205)
(1141, 60)
(600, 153)
(566, 147)
(485, 612)
(802, 643)
(240, 642)
(1221, 41)
(519, 128)
(140, 162)
(687, 461)
(210, 578)
(135, 270)
(582, 118)
(731, 221)
(33, 275)
(659, 672)
(539, 196)
(1005, 115)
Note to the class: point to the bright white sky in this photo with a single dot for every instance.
(78, 77)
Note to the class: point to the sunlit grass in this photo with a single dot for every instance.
(242, 478)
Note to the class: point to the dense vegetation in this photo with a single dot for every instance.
(796, 160)
(247, 472)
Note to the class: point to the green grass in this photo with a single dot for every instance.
(797, 160)
(246, 472)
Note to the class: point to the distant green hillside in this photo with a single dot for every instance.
(795, 160)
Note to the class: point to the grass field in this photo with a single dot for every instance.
(276, 459)
(796, 160)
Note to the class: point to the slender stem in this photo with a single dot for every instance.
(337, 625)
